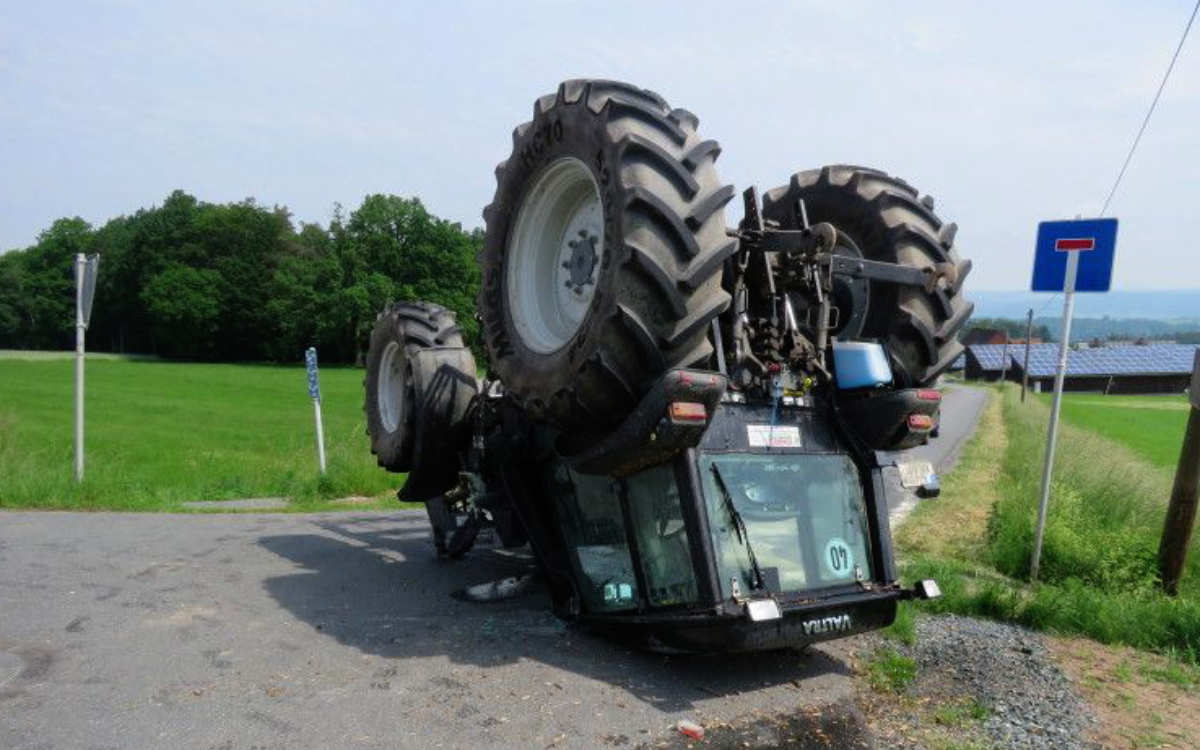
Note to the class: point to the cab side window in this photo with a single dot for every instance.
(595, 531)
(662, 538)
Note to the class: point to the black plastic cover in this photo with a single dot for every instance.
(647, 436)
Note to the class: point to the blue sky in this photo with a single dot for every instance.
(1006, 112)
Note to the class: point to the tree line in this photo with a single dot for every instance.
(238, 281)
(1016, 328)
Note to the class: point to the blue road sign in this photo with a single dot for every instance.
(310, 364)
(1094, 239)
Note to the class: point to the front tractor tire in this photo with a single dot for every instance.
(604, 251)
(887, 220)
(391, 401)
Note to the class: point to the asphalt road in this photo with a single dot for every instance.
(961, 407)
(243, 631)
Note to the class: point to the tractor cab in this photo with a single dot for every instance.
(770, 532)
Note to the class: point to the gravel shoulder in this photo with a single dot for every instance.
(979, 684)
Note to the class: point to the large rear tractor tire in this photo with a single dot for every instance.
(391, 402)
(604, 251)
(887, 220)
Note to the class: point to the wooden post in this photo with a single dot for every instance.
(1025, 370)
(1181, 512)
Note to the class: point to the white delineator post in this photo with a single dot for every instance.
(1063, 348)
(314, 392)
(320, 435)
(80, 326)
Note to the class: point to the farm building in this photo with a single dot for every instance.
(1154, 368)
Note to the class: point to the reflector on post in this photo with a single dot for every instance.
(91, 267)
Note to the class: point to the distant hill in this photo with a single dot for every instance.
(1124, 315)
(1085, 329)
(1175, 305)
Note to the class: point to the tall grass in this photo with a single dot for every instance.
(1098, 571)
(1107, 505)
(160, 433)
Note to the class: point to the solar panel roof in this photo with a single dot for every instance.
(991, 356)
(1152, 359)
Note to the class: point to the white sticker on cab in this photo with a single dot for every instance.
(777, 436)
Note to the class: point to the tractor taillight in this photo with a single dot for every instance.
(687, 412)
(919, 422)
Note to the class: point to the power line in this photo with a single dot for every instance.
(1138, 138)
(1043, 307)
(1149, 112)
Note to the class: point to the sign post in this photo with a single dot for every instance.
(1059, 266)
(86, 267)
(314, 392)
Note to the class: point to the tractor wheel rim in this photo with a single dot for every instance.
(555, 254)
(389, 391)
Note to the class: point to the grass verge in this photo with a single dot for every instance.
(162, 433)
(1098, 562)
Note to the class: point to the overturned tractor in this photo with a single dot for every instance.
(682, 419)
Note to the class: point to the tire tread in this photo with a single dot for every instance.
(923, 326)
(666, 286)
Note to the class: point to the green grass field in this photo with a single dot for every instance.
(161, 433)
(1152, 426)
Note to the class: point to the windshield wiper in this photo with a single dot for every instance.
(739, 526)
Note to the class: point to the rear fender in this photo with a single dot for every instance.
(884, 419)
(650, 435)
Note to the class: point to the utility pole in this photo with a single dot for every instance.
(1181, 511)
(1025, 369)
(1004, 361)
